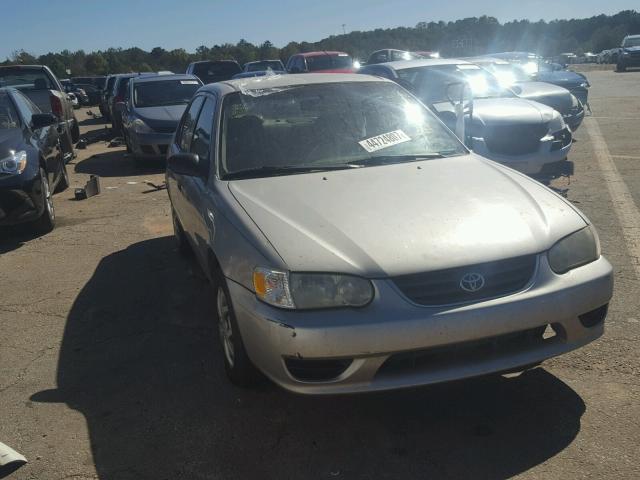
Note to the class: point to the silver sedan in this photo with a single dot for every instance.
(354, 244)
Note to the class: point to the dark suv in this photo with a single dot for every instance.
(211, 71)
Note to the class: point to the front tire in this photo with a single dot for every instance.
(621, 68)
(75, 131)
(47, 221)
(237, 364)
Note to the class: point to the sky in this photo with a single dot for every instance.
(42, 26)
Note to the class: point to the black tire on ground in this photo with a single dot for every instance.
(47, 221)
(75, 131)
(237, 364)
(620, 68)
(63, 183)
(181, 238)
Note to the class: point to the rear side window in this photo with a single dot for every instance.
(26, 107)
(202, 137)
(187, 126)
(8, 115)
(25, 80)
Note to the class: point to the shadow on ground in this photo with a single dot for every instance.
(89, 120)
(14, 237)
(117, 164)
(139, 360)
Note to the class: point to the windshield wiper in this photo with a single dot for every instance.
(388, 159)
(272, 171)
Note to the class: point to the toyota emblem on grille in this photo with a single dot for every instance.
(472, 282)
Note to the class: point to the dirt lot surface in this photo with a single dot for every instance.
(109, 367)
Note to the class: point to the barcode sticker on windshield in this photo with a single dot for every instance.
(189, 82)
(385, 140)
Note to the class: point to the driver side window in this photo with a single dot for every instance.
(188, 124)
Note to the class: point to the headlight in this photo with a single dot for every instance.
(575, 103)
(311, 290)
(14, 164)
(585, 84)
(577, 249)
(140, 127)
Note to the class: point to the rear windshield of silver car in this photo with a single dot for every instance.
(164, 93)
(329, 62)
(25, 80)
(328, 125)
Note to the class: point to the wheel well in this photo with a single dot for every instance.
(213, 264)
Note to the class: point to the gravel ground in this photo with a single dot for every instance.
(109, 370)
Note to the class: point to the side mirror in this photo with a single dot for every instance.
(188, 164)
(41, 120)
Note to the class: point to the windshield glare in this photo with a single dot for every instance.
(169, 92)
(508, 74)
(328, 125)
(431, 83)
(329, 62)
(8, 114)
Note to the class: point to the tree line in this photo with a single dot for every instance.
(466, 37)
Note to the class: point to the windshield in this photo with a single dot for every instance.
(25, 80)
(215, 71)
(329, 62)
(266, 65)
(631, 42)
(8, 114)
(325, 126)
(508, 73)
(168, 92)
(430, 84)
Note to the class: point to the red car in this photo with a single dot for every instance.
(321, 62)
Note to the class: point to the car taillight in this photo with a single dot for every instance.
(56, 106)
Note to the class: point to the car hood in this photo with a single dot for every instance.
(398, 219)
(510, 111)
(564, 78)
(553, 96)
(158, 117)
(10, 139)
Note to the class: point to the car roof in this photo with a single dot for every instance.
(265, 60)
(290, 80)
(213, 61)
(427, 62)
(323, 52)
(159, 78)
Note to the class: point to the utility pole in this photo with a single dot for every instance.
(344, 30)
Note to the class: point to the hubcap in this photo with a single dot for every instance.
(48, 200)
(224, 325)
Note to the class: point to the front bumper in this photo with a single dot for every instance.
(20, 200)
(392, 325)
(150, 145)
(632, 60)
(530, 163)
(574, 120)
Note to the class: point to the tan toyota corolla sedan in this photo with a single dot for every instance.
(354, 244)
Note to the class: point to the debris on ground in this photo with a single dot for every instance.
(161, 186)
(90, 189)
(82, 144)
(10, 460)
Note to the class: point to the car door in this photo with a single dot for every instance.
(44, 139)
(175, 181)
(199, 208)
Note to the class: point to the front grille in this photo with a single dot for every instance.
(445, 287)
(468, 352)
(514, 139)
